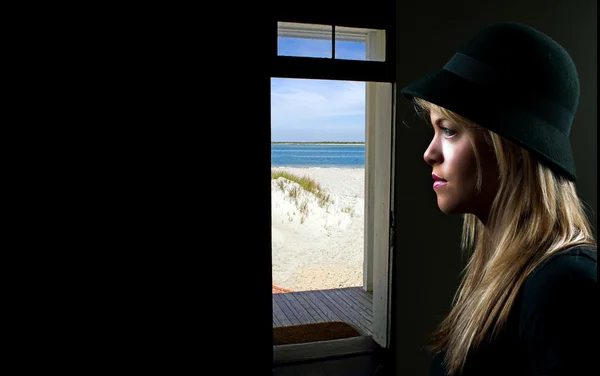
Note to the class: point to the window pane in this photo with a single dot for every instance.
(359, 44)
(305, 40)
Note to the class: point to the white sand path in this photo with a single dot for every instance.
(318, 245)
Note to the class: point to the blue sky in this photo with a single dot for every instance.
(317, 110)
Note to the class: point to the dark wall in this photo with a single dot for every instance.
(427, 258)
(176, 218)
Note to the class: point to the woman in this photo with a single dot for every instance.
(502, 110)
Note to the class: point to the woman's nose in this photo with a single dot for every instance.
(431, 155)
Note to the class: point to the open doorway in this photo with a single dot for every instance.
(331, 168)
(318, 207)
(318, 184)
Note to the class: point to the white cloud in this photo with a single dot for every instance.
(300, 102)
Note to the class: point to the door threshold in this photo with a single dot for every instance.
(300, 352)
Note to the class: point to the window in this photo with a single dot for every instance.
(329, 41)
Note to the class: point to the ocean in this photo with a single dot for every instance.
(318, 155)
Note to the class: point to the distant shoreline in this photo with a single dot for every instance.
(317, 143)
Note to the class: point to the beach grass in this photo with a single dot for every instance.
(306, 183)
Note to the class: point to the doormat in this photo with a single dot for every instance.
(314, 332)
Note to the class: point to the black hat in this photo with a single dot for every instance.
(515, 81)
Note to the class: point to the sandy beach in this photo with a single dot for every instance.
(318, 240)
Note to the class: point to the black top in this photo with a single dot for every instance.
(552, 328)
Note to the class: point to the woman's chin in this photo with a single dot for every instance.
(447, 208)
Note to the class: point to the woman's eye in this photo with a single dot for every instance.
(448, 132)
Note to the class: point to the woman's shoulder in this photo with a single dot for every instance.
(566, 281)
(574, 264)
(559, 307)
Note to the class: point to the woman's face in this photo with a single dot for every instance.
(452, 158)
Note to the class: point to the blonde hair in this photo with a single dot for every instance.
(535, 214)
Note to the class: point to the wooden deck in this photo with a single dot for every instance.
(352, 305)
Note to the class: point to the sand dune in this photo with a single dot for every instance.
(318, 244)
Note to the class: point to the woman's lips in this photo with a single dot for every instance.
(439, 182)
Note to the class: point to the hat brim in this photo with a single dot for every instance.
(496, 111)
